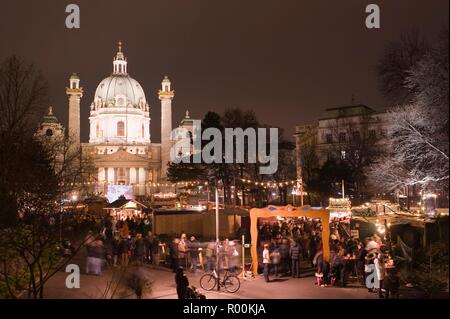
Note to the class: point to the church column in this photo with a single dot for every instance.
(110, 175)
(115, 175)
(166, 96)
(141, 180)
(101, 179)
(132, 175)
(74, 92)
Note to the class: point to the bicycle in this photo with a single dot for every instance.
(230, 282)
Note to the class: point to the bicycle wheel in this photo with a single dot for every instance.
(232, 283)
(208, 282)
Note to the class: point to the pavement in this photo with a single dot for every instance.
(163, 286)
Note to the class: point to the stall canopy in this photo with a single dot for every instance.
(124, 207)
(289, 211)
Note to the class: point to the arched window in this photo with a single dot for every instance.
(142, 131)
(120, 128)
(97, 130)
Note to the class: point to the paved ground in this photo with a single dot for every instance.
(163, 286)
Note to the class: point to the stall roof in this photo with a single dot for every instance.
(119, 203)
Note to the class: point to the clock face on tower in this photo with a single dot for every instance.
(49, 132)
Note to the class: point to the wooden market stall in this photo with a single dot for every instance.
(288, 211)
(123, 208)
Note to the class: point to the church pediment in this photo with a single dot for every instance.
(121, 156)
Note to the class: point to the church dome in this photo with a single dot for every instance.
(119, 89)
(117, 86)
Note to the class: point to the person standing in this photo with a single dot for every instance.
(194, 252)
(139, 249)
(391, 283)
(95, 258)
(182, 251)
(182, 283)
(115, 249)
(233, 256)
(209, 256)
(226, 253)
(124, 247)
(276, 259)
(284, 256)
(155, 249)
(294, 253)
(266, 262)
(173, 253)
(148, 247)
(380, 272)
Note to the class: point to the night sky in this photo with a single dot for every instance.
(286, 59)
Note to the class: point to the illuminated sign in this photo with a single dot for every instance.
(115, 191)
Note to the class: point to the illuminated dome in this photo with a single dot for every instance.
(119, 89)
(119, 112)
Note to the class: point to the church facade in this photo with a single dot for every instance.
(119, 143)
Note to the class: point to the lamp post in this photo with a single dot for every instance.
(217, 237)
(217, 214)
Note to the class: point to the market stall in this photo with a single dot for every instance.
(124, 208)
(288, 211)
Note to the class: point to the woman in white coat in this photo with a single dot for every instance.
(380, 272)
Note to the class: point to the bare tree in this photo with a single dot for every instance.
(396, 63)
(358, 143)
(23, 96)
(418, 131)
(33, 180)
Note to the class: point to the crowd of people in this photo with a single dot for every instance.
(185, 253)
(285, 244)
(117, 243)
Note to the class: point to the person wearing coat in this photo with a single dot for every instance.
(182, 283)
(294, 252)
(380, 272)
(115, 250)
(276, 259)
(391, 283)
(266, 262)
(194, 246)
(139, 249)
(173, 253)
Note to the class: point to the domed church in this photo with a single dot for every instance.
(125, 158)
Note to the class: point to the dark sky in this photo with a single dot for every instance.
(286, 59)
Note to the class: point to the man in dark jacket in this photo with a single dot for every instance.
(294, 252)
(155, 249)
(193, 250)
(148, 247)
(173, 253)
(139, 249)
(284, 253)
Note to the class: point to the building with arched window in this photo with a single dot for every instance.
(119, 139)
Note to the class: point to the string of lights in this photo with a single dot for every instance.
(196, 183)
(269, 184)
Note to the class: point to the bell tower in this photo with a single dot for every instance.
(74, 92)
(166, 96)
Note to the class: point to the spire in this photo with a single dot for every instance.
(119, 61)
(50, 110)
(187, 114)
